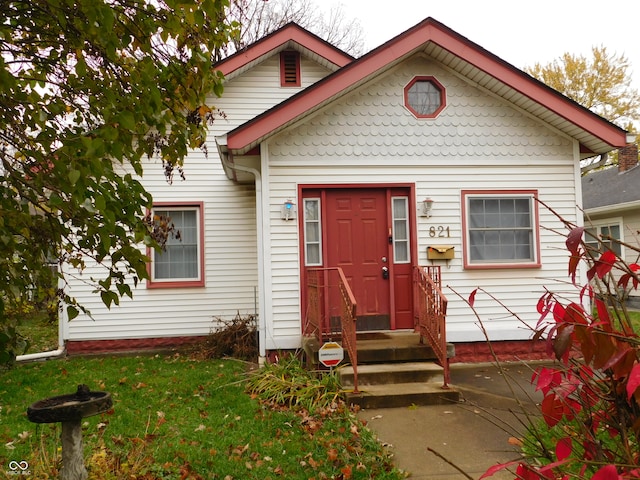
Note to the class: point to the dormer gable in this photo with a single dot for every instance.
(291, 39)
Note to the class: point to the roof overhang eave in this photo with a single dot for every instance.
(225, 157)
(289, 36)
(613, 209)
(288, 45)
(596, 135)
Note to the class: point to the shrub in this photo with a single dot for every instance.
(591, 395)
(236, 338)
(288, 383)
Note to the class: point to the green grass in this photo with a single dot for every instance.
(41, 334)
(634, 317)
(179, 418)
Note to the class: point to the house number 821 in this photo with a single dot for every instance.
(439, 231)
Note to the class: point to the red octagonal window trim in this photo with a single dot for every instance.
(424, 97)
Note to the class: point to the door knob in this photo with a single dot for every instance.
(385, 272)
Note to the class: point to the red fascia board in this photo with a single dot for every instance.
(271, 42)
(427, 31)
(531, 88)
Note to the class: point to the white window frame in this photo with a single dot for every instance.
(605, 223)
(198, 279)
(317, 223)
(405, 220)
(533, 261)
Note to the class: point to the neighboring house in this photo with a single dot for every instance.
(611, 202)
(324, 160)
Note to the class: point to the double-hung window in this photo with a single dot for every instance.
(604, 235)
(180, 263)
(501, 229)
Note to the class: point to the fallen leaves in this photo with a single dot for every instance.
(310, 461)
(517, 442)
(239, 450)
(332, 454)
(346, 471)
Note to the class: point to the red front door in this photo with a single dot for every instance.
(357, 239)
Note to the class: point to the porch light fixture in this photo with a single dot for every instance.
(288, 211)
(425, 207)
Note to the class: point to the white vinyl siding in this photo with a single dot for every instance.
(229, 222)
(230, 275)
(247, 96)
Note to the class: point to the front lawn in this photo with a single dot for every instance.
(175, 417)
(40, 332)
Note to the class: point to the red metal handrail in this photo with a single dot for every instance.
(430, 312)
(331, 311)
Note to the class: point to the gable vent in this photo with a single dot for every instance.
(290, 69)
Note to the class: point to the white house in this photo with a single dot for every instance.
(324, 160)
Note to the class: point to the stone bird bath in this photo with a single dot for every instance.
(70, 410)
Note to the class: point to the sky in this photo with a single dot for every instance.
(520, 32)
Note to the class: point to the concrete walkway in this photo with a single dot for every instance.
(474, 434)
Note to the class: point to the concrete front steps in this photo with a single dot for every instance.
(395, 370)
(397, 385)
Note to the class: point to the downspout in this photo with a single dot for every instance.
(50, 355)
(577, 179)
(224, 157)
(599, 163)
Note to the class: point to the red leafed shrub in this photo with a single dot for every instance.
(591, 393)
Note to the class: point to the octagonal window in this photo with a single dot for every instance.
(424, 97)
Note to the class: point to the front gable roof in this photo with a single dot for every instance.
(289, 37)
(595, 134)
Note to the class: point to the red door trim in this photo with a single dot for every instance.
(319, 190)
(351, 186)
(393, 191)
(392, 286)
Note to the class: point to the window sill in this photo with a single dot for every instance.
(501, 266)
(175, 284)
